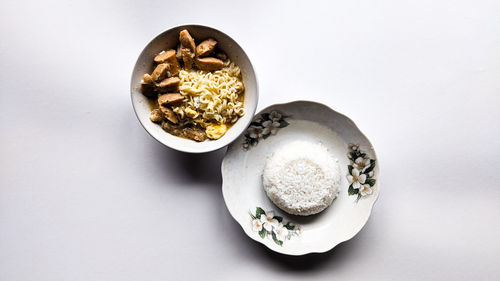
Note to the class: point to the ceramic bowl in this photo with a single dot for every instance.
(169, 40)
(248, 203)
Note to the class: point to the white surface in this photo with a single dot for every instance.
(87, 194)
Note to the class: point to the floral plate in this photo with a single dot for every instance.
(263, 221)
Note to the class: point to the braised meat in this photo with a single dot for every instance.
(166, 99)
(187, 49)
(156, 116)
(209, 64)
(169, 114)
(168, 85)
(160, 72)
(206, 47)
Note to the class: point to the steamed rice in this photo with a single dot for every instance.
(302, 178)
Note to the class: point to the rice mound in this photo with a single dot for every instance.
(302, 178)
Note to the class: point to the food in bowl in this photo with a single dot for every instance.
(302, 178)
(196, 91)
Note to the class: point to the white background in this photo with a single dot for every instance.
(87, 194)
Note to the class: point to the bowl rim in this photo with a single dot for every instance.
(221, 143)
(327, 246)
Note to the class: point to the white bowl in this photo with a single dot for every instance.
(169, 40)
(242, 179)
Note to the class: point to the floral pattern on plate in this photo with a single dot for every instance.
(361, 172)
(263, 126)
(267, 224)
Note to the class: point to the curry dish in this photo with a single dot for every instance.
(195, 91)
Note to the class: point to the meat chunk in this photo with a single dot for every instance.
(173, 66)
(169, 98)
(160, 72)
(169, 114)
(168, 85)
(173, 129)
(147, 87)
(169, 57)
(187, 58)
(163, 56)
(221, 55)
(178, 54)
(187, 49)
(186, 40)
(206, 47)
(146, 78)
(194, 134)
(148, 90)
(209, 64)
(156, 116)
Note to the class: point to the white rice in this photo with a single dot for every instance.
(302, 178)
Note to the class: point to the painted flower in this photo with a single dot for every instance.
(255, 132)
(263, 126)
(269, 221)
(356, 179)
(298, 229)
(281, 232)
(270, 127)
(256, 225)
(275, 116)
(257, 120)
(365, 189)
(361, 173)
(266, 224)
(362, 163)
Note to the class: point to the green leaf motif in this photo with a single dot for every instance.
(262, 233)
(371, 182)
(372, 166)
(283, 124)
(265, 116)
(275, 239)
(266, 136)
(352, 191)
(278, 218)
(258, 212)
(350, 167)
(359, 197)
(289, 226)
(369, 169)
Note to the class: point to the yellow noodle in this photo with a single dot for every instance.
(215, 96)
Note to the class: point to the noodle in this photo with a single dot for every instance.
(212, 97)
